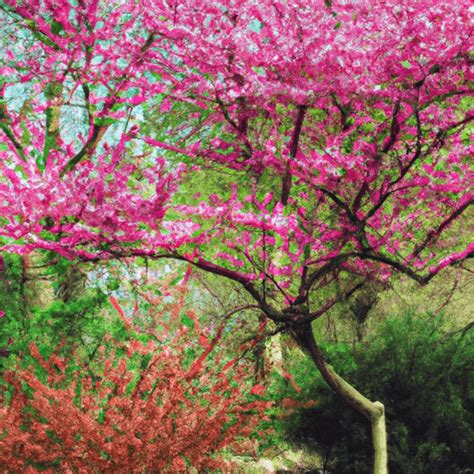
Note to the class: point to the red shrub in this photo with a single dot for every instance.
(148, 410)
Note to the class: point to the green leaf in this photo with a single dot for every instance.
(104, 121)
(187, 321)
(56, 27)
(176, 280)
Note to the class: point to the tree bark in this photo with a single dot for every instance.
(373, 411)
(379, 439)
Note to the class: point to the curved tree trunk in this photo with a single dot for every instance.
(373, 411)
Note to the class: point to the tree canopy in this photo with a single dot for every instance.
(337, 130)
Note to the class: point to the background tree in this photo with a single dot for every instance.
(328, 142)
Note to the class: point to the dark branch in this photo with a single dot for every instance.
(394, 129)
(345, 111)
(89, 146)
(295, 138)
(4, 124)
(306, 286)
(435, 233)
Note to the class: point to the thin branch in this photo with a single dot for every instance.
(5, 120)
(394, 128)
(305, 287)
(210, 267)
(287, 177)
(435, 233)
(97, 133)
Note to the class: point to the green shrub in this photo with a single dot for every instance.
(68, 316)
(424, 378)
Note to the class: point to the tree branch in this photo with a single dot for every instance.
(287, 177)
(435, 233)
(5, 120)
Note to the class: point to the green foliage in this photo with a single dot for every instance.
(11, 283)
(72, 321)
(69, 320)
(423, 377)
(12, 302)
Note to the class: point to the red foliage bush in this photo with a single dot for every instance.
(151, 409)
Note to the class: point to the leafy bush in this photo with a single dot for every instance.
(27, 318)
(424, 378)
(161, 404)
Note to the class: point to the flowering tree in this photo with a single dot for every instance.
(327, 140)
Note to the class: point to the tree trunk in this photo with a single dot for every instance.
(373, 411)
(379, 438)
